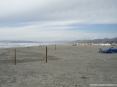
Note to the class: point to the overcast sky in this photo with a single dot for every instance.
(57, 19)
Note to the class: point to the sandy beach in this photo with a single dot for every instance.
(67, 66)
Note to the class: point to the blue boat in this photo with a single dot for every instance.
(108, 50)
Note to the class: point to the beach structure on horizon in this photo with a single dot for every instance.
(92, 44)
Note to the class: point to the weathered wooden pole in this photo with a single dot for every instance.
(15, 56)
(46, 54)
(55, 46)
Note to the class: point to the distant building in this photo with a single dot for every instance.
(91, 44)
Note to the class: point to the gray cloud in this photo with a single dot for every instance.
(43, 10)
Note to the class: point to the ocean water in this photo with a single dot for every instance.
(11, 45)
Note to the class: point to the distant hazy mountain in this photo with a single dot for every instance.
(105, 40)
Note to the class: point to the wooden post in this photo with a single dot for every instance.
(55, 46)
(15, 56)
(46, 54)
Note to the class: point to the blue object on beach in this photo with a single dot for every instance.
(108, 50)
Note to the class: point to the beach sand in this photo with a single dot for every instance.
(67, 66)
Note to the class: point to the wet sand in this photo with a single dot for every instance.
(68, 66)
